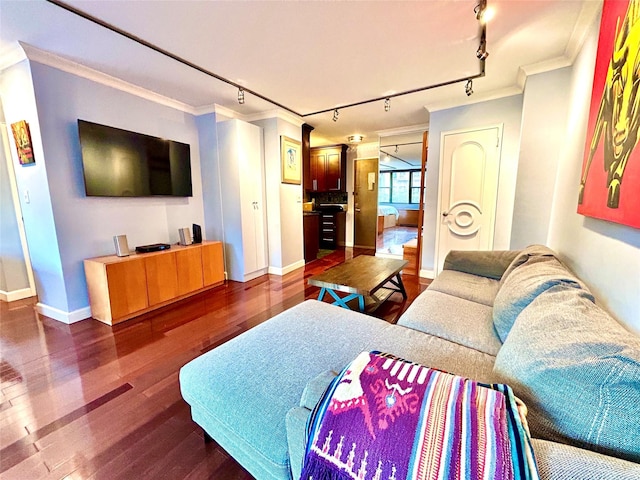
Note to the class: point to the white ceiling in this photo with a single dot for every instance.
(310, 55)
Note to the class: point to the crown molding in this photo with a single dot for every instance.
(475, 98)
(403, 130)
(589, 14)
(12, 56)
(52, 60)
(275, 113)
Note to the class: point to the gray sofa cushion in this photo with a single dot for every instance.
(241, 391)
(465, 285)
(486, 263)
(524, 284)
(564, 462)
(525, 254)
(461, 321)
(578, 371)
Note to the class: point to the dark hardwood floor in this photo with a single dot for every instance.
(90, 401)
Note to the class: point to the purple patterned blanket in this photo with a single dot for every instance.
(384, 418)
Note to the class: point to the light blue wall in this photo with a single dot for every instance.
(13, 270)
(84, 226)
(605, 255)
(506, 112)
(19, 103)
(544, 114)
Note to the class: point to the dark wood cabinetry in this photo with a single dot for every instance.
(326, 169)
(311, 223)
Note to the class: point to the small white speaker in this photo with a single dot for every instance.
(185, 236)
(122, 247)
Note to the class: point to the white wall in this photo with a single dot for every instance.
(80, 226)
(284, 201)
(605, 255)
(505, 111)
(544, 110)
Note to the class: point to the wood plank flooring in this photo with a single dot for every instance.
(90, 401)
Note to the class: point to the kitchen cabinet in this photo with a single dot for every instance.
(121, 288)
(241, 167)
(327, 169)
(311, 222)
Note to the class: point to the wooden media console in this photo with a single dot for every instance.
(121, 288)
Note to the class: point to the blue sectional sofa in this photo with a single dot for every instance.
(517, 317)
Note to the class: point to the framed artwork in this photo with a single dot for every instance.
(22, 137)
(610, 180)
(291, 156)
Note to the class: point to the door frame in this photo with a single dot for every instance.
(355, 223)
(30, 291)
(500, 127)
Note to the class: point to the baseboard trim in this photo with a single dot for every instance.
(61, 316)
(427, 274)
(289, 268)
(388, 255)
(16, 294)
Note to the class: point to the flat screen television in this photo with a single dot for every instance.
(119, 163)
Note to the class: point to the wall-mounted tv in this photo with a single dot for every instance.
(119, 163)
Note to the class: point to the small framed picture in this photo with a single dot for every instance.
(22, 137)
(291, 154)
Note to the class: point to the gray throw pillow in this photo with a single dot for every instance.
(578, 372)
(525, 254)
(524, 284)
(486, 263)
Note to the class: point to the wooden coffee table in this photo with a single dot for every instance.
(368, 279)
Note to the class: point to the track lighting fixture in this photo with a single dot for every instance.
(482, 53)
(480, 9)
(397, 149)
(482, 12)
(468, 88)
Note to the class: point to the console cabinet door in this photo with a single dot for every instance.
(127, 287)
(162, 277)
(189, 268)
(212, 264)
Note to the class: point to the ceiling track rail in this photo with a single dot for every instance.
(183, 61)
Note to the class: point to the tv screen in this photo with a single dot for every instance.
(119, 163)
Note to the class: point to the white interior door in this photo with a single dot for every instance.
(469, 167)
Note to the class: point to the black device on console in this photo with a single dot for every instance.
(197, 233)
(154, 247)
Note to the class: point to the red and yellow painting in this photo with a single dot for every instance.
(610, 181)
(22, 137)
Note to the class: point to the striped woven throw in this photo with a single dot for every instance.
(384, 418)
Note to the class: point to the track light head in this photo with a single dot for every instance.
(481, 53)
(468, 88)
(335, 115)
(241, 96)
(387, 104)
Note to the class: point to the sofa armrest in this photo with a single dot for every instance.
(485, 263)
(557, 461)
(315, 388)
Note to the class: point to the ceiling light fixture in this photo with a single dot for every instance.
(481, 11)
(397, 149)
(387, 104)
(468, 88)
(482, 53)
(355, 139)
(241, 96)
